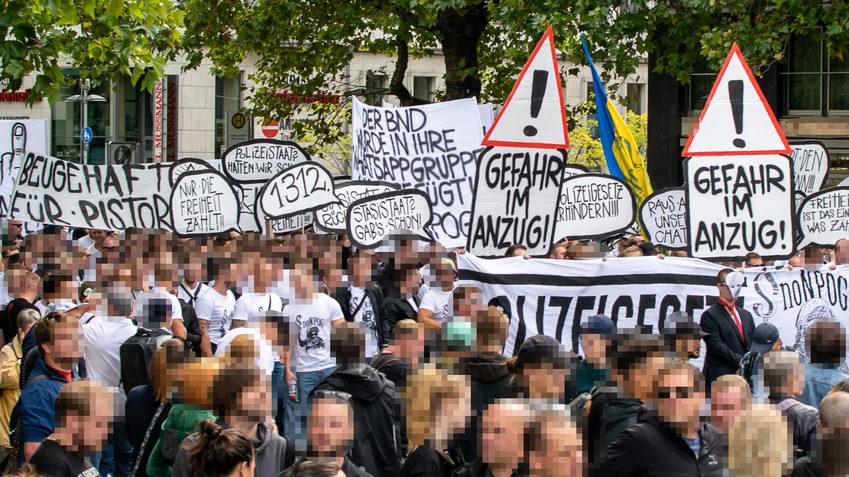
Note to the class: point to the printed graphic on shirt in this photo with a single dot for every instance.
(308, 333)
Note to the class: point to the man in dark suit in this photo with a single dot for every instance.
(729, 328)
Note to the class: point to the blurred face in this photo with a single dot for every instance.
(263, 272)
(468, 301)
(688, 347)
(561, 452)
(97, 235)
(677, 402)
(302, 279)
(595, 348)
(545, 381)
(411, 349)
(255, 401)
(361, 268)
(726, 404)
(454, 413)
(66, 346)
(642, 378)
(410, 283)
(90, 433)
(330, 429)
(841, 252)
(444, 275)
(110, 251)
(502, 441)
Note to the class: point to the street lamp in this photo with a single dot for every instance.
(84, 99)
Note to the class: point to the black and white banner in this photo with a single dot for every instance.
(552, 296)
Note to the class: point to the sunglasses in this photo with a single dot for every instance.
(679, 392)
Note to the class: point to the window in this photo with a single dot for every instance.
(815, 82)
(66, 121)
(634, 101)
(698, 90)
(228, 100)
(423, 87)
(376, 87)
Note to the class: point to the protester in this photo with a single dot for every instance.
(502, 438)
(596, 337)
(58, 338)
(753, 259)
(362, 301)
(191, 284)
(220, 452)
(516, 250)
(10, 372)
(729, 328)
(163, 281)
(242, 401)
(683, 336)
(674, 442)
(435, 307)
(82, 412)
(487, 371)
(257, 298)
(372, 398)
(402, 302)
(24, 287)
(554, 445)
(759, 444)
(330, 433)
(764, 340)
(826, 347)
(437, 406)
(784, 378)
(308, 468)
(558, 251)
(402, 355)
(308, 359)
(730, 395)
(214, 307)
(542, 369)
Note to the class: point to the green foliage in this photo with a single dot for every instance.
(586, 150)
(104, 39)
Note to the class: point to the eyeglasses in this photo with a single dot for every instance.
(679, 392)
(332, 394)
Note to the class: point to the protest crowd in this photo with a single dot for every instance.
(138, 353)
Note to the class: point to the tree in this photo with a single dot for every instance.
(104, 39)
(485, 42)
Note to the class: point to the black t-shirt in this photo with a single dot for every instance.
(10, 318)
(53, 460)
(426, 462)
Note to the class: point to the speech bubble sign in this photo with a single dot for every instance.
(664, 218)
(824, 217)
(188, 164)
(301, 188)
(332, 217)
(259, 160)
(594, 206)
(290, 224)
(203, 203)
(810, 166)
(372, 219)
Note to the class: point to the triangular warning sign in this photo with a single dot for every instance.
(533, 115)
(736, 119)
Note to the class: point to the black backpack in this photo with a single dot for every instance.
(136, 354)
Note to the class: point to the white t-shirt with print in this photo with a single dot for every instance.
(313, 322)
(365, 318)
(255, 303)
(190, 295)
(217, 309)
(439, 302)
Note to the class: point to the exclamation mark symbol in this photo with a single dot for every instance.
(537, 93)
(735, 94)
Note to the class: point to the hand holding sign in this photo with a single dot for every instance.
(203, 203)
(664, 218)
(372, 219)
(301, 188)
(824, 217)
(593, 206)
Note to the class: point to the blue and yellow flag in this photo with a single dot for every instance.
(620, 149)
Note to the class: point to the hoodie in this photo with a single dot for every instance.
(375, 420)
(490, 381)
(182, 421)
(270, 451)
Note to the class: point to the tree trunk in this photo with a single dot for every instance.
(459, 33)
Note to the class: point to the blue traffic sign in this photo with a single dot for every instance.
(86, 134)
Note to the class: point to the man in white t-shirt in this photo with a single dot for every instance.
(214, 308)
(164, 282)
(308, 361)
(257, 298)
(191, 285)
(436, 305)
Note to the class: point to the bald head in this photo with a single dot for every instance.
(834, 409)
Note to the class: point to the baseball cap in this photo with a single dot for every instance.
(458, 335)
(679, 323)
(598, 325)
(541, 349)
(764, 337)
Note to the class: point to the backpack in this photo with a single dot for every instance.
(136, 354)
(11, 460)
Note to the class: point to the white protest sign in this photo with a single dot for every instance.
(485, 110)
(810, 166)
(18, 137)
(593, 206)
(372, 219)
(824, 217)
(290, 224)
(516, 200)
(332, 217)
(533, 115)
(431, 148)
(203, 203)
(736, 119)
(295, 190)
(189, 164)
(258, 160)
(740, 204)
(664, 218)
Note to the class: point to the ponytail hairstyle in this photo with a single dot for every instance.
(217, 451)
